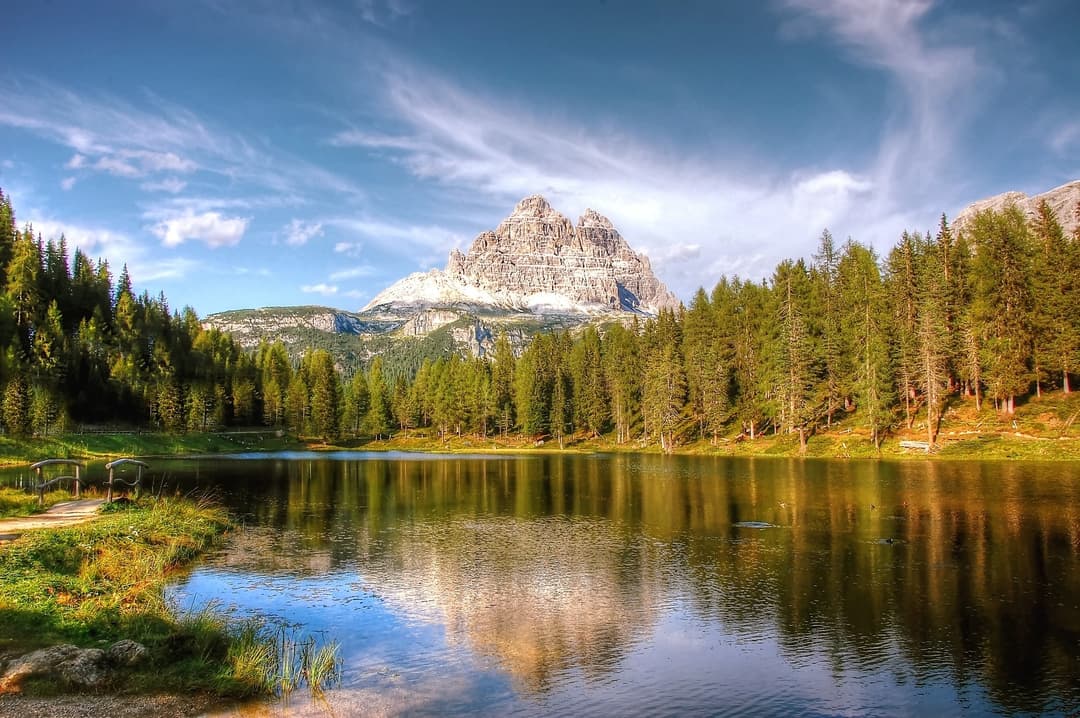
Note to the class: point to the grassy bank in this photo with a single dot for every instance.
(16, 502)
(107, 446)
(1043, 429)
(103, 581)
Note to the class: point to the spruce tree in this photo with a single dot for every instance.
(864, 325)
(1002, 302)
(1055, 284)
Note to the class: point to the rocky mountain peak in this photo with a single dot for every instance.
(592, 218)
(532, 206)
(1064, 201)
(537, 259)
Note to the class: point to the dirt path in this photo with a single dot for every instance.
(65, 513)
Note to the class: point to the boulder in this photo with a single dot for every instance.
(126, 653)
(71, 665)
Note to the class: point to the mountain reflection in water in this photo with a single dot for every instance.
(663, 585)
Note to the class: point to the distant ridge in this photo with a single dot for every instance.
(1063, 200)
(535, 272)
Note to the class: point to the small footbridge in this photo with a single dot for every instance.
(119, 477)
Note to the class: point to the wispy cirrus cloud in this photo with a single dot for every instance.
(118, 137)
(363, 270)
(298, 233)
(326, 290)
(936, 81)
(696, 217)
(172, 185)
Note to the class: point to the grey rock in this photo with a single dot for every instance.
(74, 666)
(536, 250)
(126, 653)
(1063, 200)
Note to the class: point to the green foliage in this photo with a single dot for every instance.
(844, 340)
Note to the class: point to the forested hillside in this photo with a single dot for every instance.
(991, 313)
(77, 347)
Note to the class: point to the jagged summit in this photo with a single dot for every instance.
(1063, 200)
(537, 260)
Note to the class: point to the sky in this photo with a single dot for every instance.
(273, 152)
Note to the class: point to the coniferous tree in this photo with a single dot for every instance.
(16, 407)
(664, 382)
(864, 323)
(827, 316)
(932, 338)
(502, 379)
(796, 369)
(1055, 286)
(901, 286)
(378, 416)
(752, 306)
(325, 398)
(357, 403)
(591, 402)
(621, 362)
(1002, 302)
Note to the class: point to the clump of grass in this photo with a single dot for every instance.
(279, 663)
(16, 502)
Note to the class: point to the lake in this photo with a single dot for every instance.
(649, 585)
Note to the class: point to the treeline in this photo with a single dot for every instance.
(77, 347)
(991, 312)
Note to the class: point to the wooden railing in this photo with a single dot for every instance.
(120, 463)
(42, 484)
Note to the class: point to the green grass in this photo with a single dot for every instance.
(101, 446)
(16, 502)
(99, 582)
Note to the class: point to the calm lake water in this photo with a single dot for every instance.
(647, 585)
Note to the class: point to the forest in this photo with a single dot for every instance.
(989, 312)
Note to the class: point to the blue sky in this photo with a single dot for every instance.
(240, 154)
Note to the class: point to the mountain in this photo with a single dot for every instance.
(1063, 200)
(537, 261)
(537, 271)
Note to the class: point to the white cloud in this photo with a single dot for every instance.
(298, 233)
(118, 248)
(717, 214)
(321, 288)
(1065, 137)
(351, 249)
(132, 141)
(67, 183)
(382, 12)
(741, 220)
(938, 86)
(211, 228)
(172, 185)
(403, 236)
(114, 165)
(364, 270)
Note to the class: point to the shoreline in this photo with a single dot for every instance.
(984, 446)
